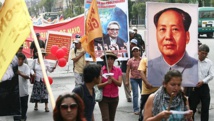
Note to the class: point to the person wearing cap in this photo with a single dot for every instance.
(33, 49)
(131, 34)
(135, 77)
(172, 33)
(134, 42)
(78, 57)
(123, 67)
(39, 93)
(139, 38)
(110, 85)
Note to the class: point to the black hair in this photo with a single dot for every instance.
(204, 47)
(90, 72)
(170, 74)
(185, 17)
(37, 34)
(21, 55)
(56, 112)
(174, 73)
(107, 56)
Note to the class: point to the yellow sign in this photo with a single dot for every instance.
(15, 25)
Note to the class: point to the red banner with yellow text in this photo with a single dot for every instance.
(73, 26)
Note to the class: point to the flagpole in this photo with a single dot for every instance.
(41, 60)
(105, 54)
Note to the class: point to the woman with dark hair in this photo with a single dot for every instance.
(110, 85)
(69, 107)
(169, 98)
(39, 93)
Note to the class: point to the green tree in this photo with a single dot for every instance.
(73, 8)
(138, 10)
(130, 10)
(34, 11)
(47, 4)
(68, 13)
(78, 7)
(0, 4)
(207, 2)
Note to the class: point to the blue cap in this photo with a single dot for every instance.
(77, 36)
(134, 41)
(37, 34)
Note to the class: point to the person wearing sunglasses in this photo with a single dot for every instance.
(69, 107)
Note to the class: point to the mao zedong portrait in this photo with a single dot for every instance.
(172, 34)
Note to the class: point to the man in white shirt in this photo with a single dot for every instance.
(202, 92)
(24, 75)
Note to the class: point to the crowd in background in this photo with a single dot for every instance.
(78, 104)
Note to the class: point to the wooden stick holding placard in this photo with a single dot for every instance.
(41, 60)
(105, 54)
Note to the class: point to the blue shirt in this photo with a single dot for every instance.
(88, 99)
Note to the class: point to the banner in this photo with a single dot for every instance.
(59, 39)
(14, 29)
(93, 30)
(172, 41)
(72, 26)
(114, 19)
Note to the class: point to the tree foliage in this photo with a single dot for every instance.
(130, 8)
(47, 4)
(34, 11)
(1, 4)
(74, 8)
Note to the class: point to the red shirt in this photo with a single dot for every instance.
(111, 90)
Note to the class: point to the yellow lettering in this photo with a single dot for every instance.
(9, 15)
(2, 55)
(69, 30)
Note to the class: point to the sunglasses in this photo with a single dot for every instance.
(113, 29)
(71, 106)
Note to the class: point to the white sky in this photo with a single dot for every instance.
(1, 1)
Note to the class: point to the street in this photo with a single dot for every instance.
(124, 110)
(64, 82)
